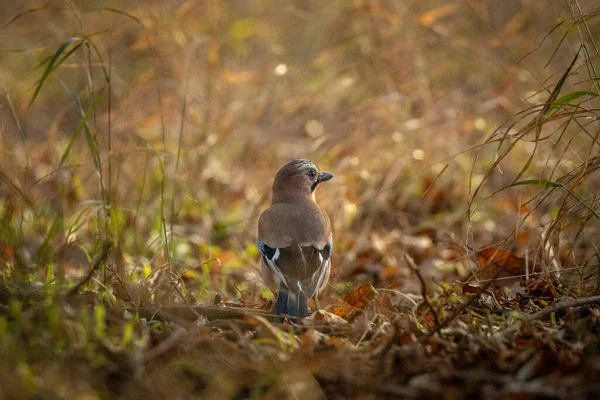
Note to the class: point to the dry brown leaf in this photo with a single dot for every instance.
(503, 259)
(337, 342)
(343, 309)
(361, 297)
(425, 315)
(388, 272)
(541, 288)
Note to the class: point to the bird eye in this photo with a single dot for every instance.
(312, 173)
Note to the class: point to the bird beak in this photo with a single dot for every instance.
(325, 176)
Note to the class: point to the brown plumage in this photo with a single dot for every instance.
(294, 236)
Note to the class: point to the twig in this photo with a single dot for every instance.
(164, 346)
(191, 312)
(221, 317)
(462, 308)
(415, 269)
(562, 305)
(100, 258)
(558, 306)
(387, 345)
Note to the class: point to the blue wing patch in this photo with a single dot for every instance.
(265, 250)
(270, 256)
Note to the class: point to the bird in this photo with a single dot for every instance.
(295, 238)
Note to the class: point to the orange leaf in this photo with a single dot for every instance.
(337, 342)
(425, 315)
(503, 259)
(342, 309)
(237, 77)
(467, 288)
(407, 337)
(7, 251)
(388, 272)
(360, 298)
(430, 17)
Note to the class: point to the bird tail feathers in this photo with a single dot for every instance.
(292, 304)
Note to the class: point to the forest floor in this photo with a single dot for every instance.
(138, 143)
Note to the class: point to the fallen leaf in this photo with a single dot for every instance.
(343, 310)
(337, 342)
(503, 259)
(361, 297)
(425, 315)
(388, 272)
(323, 317)
(541, 288)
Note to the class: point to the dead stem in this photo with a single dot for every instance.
(100, 258)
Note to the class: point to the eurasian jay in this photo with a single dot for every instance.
(294, 238)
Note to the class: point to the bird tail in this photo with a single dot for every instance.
(292, 304)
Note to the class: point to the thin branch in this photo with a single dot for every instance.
(164, 346)
(558, 306)
(415, 269)
(100, 259)
(462, 308)
(562, 305)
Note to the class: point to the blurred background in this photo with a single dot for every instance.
(159, 125)
(462, 135)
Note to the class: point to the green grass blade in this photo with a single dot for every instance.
(45, 250)
(573, 96)
(536, 182)
(83, 125)
(55, 63)
(567, 99)
(558, 87)
(13, 187)
(42, 63)
(99, 55)
(91, 140)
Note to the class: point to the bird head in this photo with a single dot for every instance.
(299, 177)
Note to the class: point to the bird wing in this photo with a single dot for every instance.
(299, 268)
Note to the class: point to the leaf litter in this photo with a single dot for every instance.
(100, 298)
